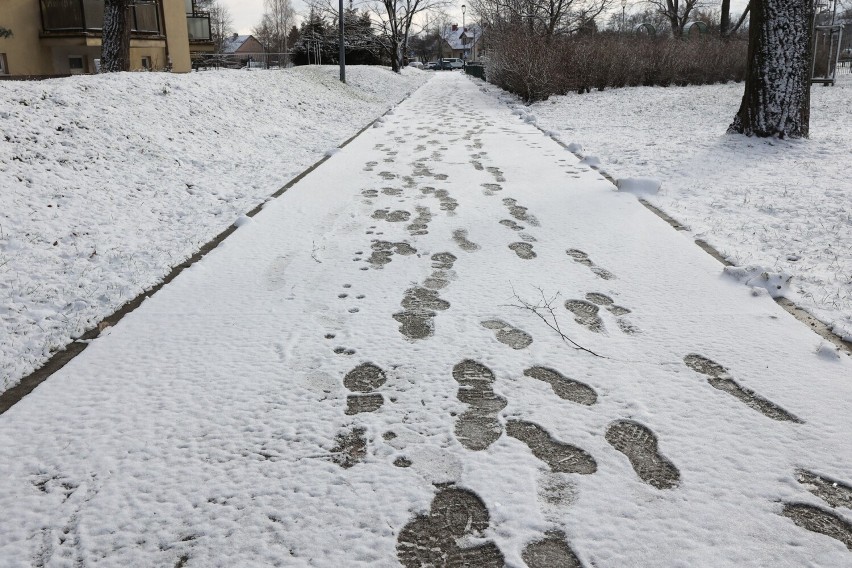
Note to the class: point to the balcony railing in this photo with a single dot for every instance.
(88, 16)
(198, 26)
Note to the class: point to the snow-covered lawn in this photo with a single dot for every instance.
(785, 206)
(106, 182)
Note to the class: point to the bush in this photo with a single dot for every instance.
(535, 67)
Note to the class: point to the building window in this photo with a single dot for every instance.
(4, 67)
(77, 65)
(146, 63)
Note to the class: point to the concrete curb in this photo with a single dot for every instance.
(61, 358)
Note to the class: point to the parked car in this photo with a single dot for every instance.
(452, 63)
(416, 65)
(432, 65)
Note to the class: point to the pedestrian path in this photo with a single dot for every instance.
(451, 344)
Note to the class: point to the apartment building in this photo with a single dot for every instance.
(63, 37)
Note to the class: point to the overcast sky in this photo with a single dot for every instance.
(247, 13)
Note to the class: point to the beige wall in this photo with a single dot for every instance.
(174, 13)
(24, 53)
(29, 54)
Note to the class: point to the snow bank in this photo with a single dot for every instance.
(639, 185)
(777, 284)
(108, 181)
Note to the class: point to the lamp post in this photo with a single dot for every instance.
(464, 49)
(342, 47)
(623, 6)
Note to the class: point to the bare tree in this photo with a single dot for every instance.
(776, 102)
(677, 12)
(540, 17)
(395, 21)
(279, 16)
(115, 46)
(725, 28)
(221, 21)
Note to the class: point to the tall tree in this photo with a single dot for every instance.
(280, 16)
(725, 29)
(542, 17)
(396, 18)
(677, 12)
(221, 21)
(115, 47)
(776, 102)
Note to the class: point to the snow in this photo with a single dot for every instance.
(782, 205)
(638, 185)
(106, 182)
(202, 431)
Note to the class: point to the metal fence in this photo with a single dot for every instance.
(204, 61)
(476, 70)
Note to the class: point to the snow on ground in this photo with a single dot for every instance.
(303, 395)
(106, 182)
(783, 206)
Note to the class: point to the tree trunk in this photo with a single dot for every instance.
(777, 101)
(725, 18)
(396, 56)
(115, 50)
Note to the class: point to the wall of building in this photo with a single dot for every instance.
(174, 14)
(27, 53)
(251, 45)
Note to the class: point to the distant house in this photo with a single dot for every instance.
(56, 38)
(463, 43)
(243, 47)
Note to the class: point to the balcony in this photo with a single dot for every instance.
(87, 16)
(198, 26)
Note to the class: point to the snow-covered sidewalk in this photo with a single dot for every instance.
(382, 367)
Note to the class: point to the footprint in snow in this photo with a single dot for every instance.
(586, 314)
(719, 378)
(559, 456)
(563, 387)
(456, 516)
(835, 493)
(607, 303)
(820, 521)
(550, 552)
(478, 427)
(460, 237)
(639, 444)
(582, 258)
(523, 250)
(362, 380)
(508, 335)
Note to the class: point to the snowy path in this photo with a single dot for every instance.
(349, 381)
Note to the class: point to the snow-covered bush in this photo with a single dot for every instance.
(536, 67)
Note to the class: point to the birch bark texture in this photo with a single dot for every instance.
(777, 101)
(115, 49)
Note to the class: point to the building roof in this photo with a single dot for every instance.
(233, 43)
(454, 36)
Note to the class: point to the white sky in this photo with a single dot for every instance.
(247, 13)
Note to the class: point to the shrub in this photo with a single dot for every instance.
(535, 67)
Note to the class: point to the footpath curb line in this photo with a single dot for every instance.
(789, 306)
(62, 357)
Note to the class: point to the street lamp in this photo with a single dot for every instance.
(623, 6)
(464, 49)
